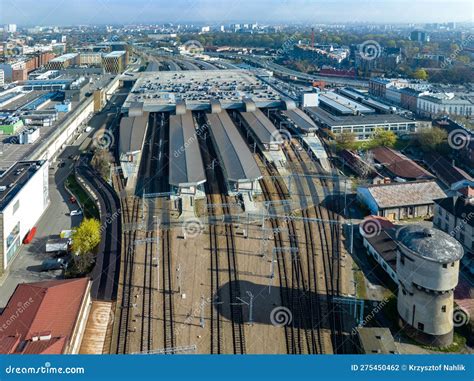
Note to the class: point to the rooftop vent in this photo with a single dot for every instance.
(427, 232)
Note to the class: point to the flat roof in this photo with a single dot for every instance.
(161, 91)
(65, 57)
(13, 179)
(132, 133)
(376, 340)
(116, 53)
(261, 126)
(343, 104)
(186, 166)
(332, 120)
(302, 121)
(238, 160)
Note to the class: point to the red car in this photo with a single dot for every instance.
(72, 199)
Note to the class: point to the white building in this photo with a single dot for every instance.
(24, 196)
(427, 271)
(2, 78)
(10, 28)
(433, 104)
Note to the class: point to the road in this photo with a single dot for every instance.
(26, 265)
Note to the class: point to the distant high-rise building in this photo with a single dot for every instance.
(2, 78)
(205, 29)
(10, 28)
(419, 36)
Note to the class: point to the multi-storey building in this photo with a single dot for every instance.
(64, 61)
(115, 62)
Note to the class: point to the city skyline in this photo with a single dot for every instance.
(27, 12)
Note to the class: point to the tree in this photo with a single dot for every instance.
(383, 138)
(345, 140)
(101, 162)
(431, 138)
(420, 74)
(86, 237)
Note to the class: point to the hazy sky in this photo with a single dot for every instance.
(67, 12)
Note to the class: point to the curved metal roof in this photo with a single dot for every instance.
(238, 161)
(303, 121)
(186, 167)
(261, 126)
(132, 133)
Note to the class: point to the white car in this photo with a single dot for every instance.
(77, 212)
(88, 129)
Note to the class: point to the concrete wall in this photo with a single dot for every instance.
(81, 322)
(30, 203)
(427, 274)
(425, 297)
(386, 267)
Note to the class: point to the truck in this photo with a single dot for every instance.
(57, 245)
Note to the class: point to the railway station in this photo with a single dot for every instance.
(240, 168)
(264, 135)
(300, 122)
(198, 89)
(132, 139)
(186, 173)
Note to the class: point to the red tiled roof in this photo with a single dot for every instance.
(45, 347)
(49, 307)
(400, 165)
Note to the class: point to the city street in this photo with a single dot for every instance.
(26, 267)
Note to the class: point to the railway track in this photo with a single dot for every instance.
(131, 214)
(295, 295)
(168, 291)
(331, 252)
(314, 306)
(146, 338)
(216, 194)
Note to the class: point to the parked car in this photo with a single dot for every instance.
(72, 200)
(53, 264)
(62, 164)
(77, 212)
